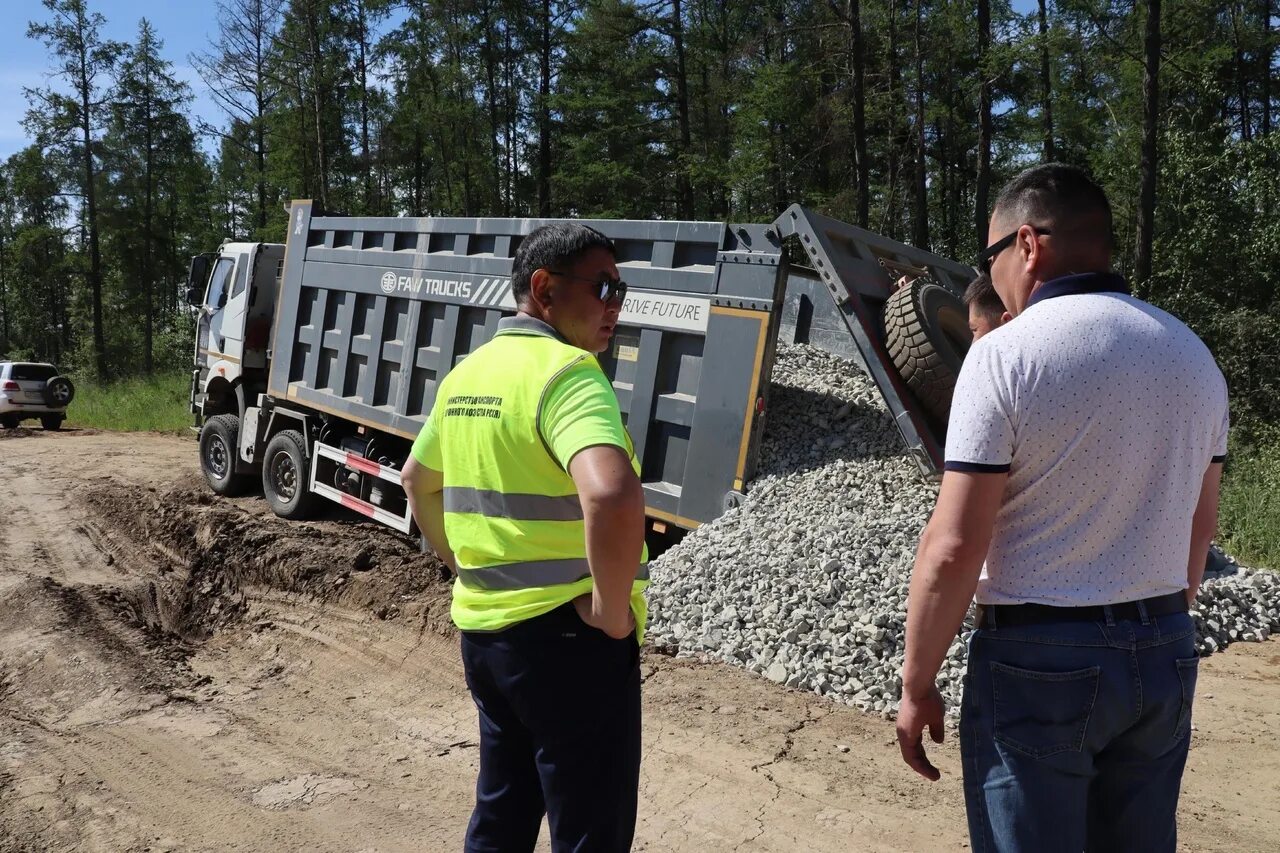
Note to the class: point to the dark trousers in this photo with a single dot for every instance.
(559, 706)
(1074, 735)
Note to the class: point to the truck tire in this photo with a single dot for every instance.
(52, 423)
(926, 328)
(58, 392)
(9, 421)
(218, 447)
(286, 476)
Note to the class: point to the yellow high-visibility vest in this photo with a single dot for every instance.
(511, 513)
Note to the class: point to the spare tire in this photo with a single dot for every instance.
(926, 328)
(58, 392)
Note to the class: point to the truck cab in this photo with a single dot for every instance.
(234, 291)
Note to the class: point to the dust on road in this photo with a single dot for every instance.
(184, 672)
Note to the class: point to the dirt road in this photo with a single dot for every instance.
(184, 673)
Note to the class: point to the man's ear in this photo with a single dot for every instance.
(1004, 318)
(1029, 246)
(540, 288)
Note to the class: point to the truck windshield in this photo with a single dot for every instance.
(218, 282)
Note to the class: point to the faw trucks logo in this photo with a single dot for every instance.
(490, 292)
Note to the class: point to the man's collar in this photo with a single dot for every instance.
(1073, 285)
(525, 324)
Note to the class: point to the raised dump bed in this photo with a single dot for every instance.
(368, 314)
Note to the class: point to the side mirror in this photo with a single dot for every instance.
(198, 279)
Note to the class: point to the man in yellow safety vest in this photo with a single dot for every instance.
(525, 482)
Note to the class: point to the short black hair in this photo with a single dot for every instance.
(982, 293)
(553, 246)
(1059, 197)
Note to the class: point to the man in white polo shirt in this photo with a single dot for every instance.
(1083, 458)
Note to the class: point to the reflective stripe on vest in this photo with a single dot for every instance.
(536, 573)
(495, 504)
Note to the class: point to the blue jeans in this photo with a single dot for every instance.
(1074, 735)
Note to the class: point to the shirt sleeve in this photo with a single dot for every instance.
(580, 410)
(426, 447)
(980, 435)
(1220, 441)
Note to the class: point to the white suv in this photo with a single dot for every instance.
(33, 390)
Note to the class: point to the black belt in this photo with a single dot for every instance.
(1011, 615)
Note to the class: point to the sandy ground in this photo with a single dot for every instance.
(179, 672)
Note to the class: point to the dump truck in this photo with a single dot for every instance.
(317, 360)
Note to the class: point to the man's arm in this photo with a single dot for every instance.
(613, 510)
(1204, 524)
(948, 563)
(424, 487)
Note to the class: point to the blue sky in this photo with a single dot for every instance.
(183, 26)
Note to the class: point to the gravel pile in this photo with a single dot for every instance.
(1244, 606)
(806, 582)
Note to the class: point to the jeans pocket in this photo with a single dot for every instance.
(1042, 713)
(1188, 670)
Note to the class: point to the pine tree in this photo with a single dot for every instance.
(149, 143)
(70, 122)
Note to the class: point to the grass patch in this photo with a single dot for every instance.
(1249, 513)
(156, 404)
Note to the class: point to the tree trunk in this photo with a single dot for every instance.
(512, 103)
(148, 284)
(1150, 153)
(982, 186)
(921, 230)
(862, 169)
(4, 300)
(260, 120)
(419, 173)
(684, 189)
(1046, 84)
(304, 138)
(91, 217)
(889, 222)
(1241, 72)
(1266, 67)
(491, 99)
(316, 62)
(544, 113)
(366, 157)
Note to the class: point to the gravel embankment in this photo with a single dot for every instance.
(806, 582)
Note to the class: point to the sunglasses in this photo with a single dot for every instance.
(989, 254)
(608, 289)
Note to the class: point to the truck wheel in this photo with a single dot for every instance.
(51, 422)
(286, 476)
(926, 328)
(9, 421)
(218, 443)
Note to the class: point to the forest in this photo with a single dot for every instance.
(902, 116)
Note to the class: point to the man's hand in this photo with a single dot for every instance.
(914, 713)
(424, 489)
(587, 612)
(948, 563)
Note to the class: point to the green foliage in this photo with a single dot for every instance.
(610, 116)
(1219, 259)
(1249, 516)
(690, 109)
(155, 404)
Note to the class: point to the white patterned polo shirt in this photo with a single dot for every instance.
(1106, 412)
